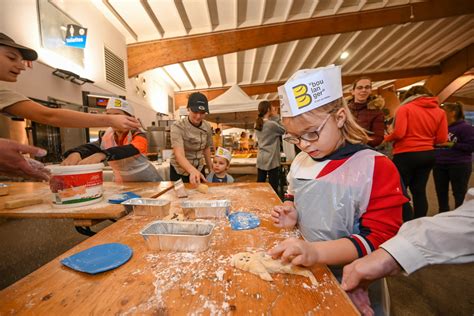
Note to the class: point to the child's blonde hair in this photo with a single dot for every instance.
(351, 131)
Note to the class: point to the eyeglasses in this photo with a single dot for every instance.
(309, 137)
(368, 87)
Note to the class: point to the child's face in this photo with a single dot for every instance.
(330, 134)
(219, 165)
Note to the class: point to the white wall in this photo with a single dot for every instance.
(19, 20)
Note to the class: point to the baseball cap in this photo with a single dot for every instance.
(120, 104)
(26, 53)
(197, 102)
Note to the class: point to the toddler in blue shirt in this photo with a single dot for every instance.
(220, 165)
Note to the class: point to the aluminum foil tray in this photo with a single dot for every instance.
(206, 208)
(151, 207)
(178, 236)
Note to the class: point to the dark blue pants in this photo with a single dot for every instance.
(273, 177)
(458, 175)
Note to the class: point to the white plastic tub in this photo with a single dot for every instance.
(76, 185)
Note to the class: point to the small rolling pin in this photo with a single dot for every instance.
(22, 203)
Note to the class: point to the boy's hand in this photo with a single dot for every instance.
(72, 159)
(92, 159)
(295, 251)
(284, 216)
(123, 122)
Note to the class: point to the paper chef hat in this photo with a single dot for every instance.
(224, 153)
(120, 104)
(309, 89)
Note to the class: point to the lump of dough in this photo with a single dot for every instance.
(262, 265)
(203, 188)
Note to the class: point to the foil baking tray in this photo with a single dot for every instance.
(205, 208)
(178, 236)
(150, 207)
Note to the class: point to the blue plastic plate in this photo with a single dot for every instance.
(243, 221)
(99, 258)
(122, 197)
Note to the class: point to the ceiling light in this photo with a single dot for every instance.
(344, 55)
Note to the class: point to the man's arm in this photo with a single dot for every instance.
(444, 238)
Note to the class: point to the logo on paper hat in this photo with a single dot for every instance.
(120, 104)
(224, 153)
(309, 89)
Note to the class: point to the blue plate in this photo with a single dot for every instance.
(122, 197)
(243, 221)
(99, 258)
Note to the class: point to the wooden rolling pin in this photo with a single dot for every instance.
(22, 202)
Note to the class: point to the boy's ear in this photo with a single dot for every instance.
(341, 117)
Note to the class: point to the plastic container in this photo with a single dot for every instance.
(76, 185)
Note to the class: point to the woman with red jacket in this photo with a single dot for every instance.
(419, 124)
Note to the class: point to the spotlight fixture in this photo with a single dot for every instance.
(344, 55)
(69, 75)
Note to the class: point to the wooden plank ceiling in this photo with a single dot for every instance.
(210, 45)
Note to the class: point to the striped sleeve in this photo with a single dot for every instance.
(383, 216)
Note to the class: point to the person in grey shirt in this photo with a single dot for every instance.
(269, 132)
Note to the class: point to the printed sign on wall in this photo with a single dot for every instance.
(76, 36)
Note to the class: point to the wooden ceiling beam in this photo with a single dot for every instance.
(149, 55)
(463, 100)
(180, 98)
(454, 86)
(402, 83)
(451, 68)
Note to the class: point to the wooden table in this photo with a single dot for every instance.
(84, 216)
(171, 283)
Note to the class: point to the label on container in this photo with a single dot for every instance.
(76, 188)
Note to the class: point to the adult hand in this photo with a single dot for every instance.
(196, 177)
(296, 251)
(123, 122)
(284, 215)
(71, 160)
(92, 159)
(359, 274)
(13, 163)
(360, 298)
